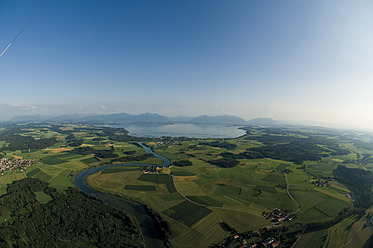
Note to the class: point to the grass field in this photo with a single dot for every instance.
(282, 167)
(140, 187)
(61, 181)
(33, 172)
(313, 239)
(205, 200)
(159, 179)
(187, 213)
(275, 178)
(89, 161)
(322, 170)
(42, 176)
(202, 234)
(190, 188)
(358, 236)
(114, 182)
(121, 169)
(42, 197)
(10, 177)
(52, 161)
(331, 207)
(337, 234)
(266, 188)
(182, 173)
(242, 221)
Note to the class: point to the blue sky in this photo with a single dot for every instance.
(308, 61)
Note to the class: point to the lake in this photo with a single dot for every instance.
(181, 129)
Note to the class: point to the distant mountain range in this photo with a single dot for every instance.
(147, 118)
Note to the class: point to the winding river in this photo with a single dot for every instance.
(146, 222)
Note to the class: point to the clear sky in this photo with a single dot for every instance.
(309, 61)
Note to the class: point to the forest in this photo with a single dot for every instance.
(18, 142)
(70, 219)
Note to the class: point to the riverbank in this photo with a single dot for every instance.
(146, 222)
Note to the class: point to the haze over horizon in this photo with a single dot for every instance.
(305, 61)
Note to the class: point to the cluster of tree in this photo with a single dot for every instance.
(162, 225)
(220, 144)
(225, 162)
(269, 139)
(130, 152)
(60, 128)
(84, 150)
(296, 151)
(133, 158)
(243, 155)
(76, 142)
(360, 181)
(195, 147)
(363, 144)
(106, 153)
(72, 219)
(313, 142)
(228, 228)
(182, 163)
(73, 141)
(18, 142)
(118, 134)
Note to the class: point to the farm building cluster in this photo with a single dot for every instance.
(321, 183)
(277, 216)
(151, 170)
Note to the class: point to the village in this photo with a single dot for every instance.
(11, 164)
(266, 237)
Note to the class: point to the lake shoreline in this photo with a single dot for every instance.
(188, 130)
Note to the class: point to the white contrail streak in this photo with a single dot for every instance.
(24, 27)
(5, 49)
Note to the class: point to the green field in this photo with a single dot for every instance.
(313, 239)
(182, 173)
(42, 176)
(140, 187)
(52, 161)
(42, 197)
(159, 179)
(275, 178)
(89, 161)
(187, 213)
(120, 169)
(266, 188)
(282, 167)
(61, 181)
(322, 170)
(33, 172)
(205, 200)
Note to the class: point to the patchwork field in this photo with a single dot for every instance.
(230, 181)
